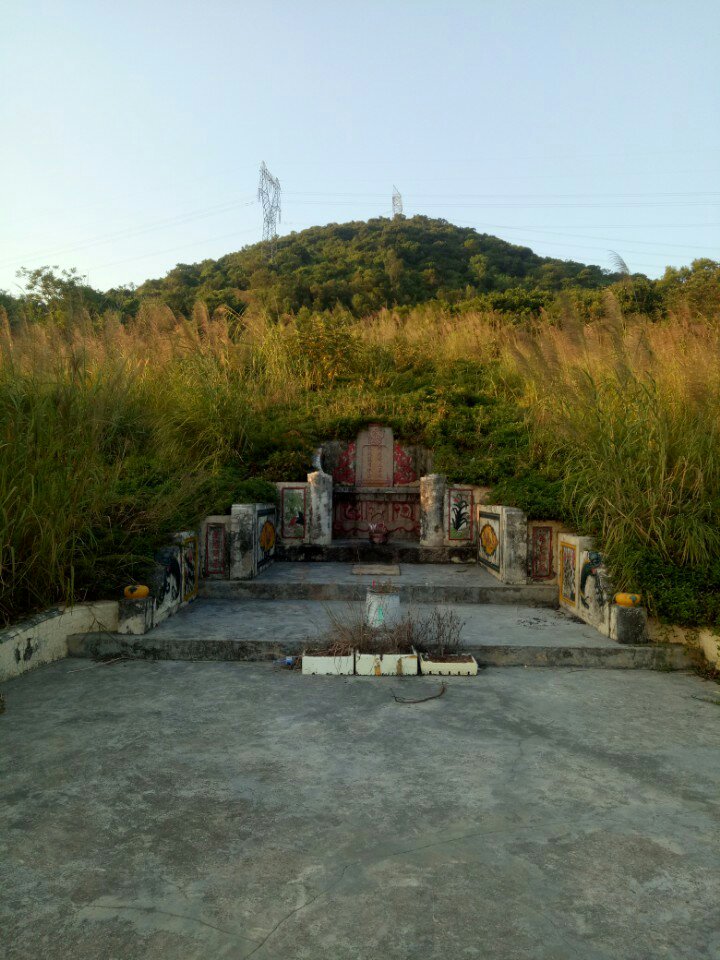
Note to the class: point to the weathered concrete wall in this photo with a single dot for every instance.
(321, 507)
(585, 590)
(502, 542)
(174, 583)
(432, 510)
(253, 534)
(704, 640)
(136, 616)
(514, 559)
(570, 548)
(43, 638)
(242, 541)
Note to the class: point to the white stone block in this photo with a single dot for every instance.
(448, 668)
(328, 666)
(386, 664)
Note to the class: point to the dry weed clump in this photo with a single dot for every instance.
(438, 632)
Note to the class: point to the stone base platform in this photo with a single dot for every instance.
(417, 583)
(498, 635)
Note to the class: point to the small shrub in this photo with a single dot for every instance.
(287, 465)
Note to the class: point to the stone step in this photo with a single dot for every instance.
(158, 647)
(362, 551)
(528, 594)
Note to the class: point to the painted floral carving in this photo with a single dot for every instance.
(344, 472)
(460, 514)
(403, 467)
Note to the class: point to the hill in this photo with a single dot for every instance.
(366, 265)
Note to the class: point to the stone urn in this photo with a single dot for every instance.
(378, 533)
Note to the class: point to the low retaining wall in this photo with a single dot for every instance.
(502, 542)
(305, 511)
(253, 535)
(43, 638)
(175, 582)
(702, 639)
(585, 590)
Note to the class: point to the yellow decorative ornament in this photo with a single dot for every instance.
(136, 592)
(628, 599)
(267, 537)
(489, 540)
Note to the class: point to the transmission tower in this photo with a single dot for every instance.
(269, 196)
(396, 202)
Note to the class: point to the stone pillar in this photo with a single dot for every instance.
(514, 556)
(432, 510)
(628, 624)
(242, 541)
(320, 486)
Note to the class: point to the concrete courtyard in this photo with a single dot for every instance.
(189, 811)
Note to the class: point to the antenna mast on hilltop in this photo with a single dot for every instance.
(396, 202)
(269, 196)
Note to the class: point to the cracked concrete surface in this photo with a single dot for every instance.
(287, 620)
(224, 810)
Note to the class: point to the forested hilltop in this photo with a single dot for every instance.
(366, 265)
(363, 267)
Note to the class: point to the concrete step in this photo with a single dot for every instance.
(160, 647)
(528, 594)
(362, 551)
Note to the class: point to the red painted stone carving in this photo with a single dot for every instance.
(352, 519)
(215, 548)
(541, 553)
(403, 468)
(344, 472)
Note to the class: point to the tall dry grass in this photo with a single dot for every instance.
(633, 413)
(109, 431)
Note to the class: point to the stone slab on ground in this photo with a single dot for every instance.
(177, 810)
(376, 570)
(497, 634)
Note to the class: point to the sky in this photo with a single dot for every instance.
(132, 132)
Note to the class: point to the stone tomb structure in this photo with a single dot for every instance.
(376, 480)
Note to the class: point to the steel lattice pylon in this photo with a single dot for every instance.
(269, 196)
(397, 206)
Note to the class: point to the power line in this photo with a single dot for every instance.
(184, 246)
(649, 154)
(514, 196)
(583, 236)
(176, 221)
(528, 205)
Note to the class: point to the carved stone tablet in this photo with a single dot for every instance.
(375, 457)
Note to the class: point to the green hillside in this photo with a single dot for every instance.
(362, 267)
(365, 265)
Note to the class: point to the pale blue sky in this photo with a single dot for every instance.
(132, 132)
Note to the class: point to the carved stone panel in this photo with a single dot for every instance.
(374, 464)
